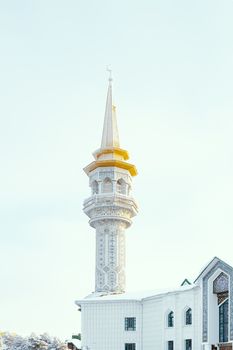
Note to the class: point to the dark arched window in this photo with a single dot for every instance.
(121, 186)
(170, 319)
(95, 187)
(223, 321)
(188, 316)
(107, 185)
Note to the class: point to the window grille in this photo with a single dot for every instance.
(223, 322)
(130, 346)
(130, 323)
(188, 344)
(170, 345)
(170, 319)
(188, 316)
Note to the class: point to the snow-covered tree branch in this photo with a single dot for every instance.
(10, 341)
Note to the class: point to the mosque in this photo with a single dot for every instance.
(194, 316)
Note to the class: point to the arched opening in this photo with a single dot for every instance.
(170, 319)
(121, 186)
(95, 187)
(223, 322)
(107, 185)
(188, 316)
(218, 311)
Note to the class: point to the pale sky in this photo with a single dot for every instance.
(172, 64)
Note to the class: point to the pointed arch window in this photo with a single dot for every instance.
(107, 185)
(95, 187)
(223, 321)
(188, 316)
(170, 319)
(121, 186)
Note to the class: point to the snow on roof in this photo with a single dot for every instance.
(138, 296)
(76, 342)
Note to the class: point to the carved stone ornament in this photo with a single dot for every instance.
(220, 284)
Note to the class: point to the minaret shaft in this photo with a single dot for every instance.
(110, 257)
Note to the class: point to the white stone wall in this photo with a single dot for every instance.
(103, 325)
(103, 322)
(156, 332)
(153, 324)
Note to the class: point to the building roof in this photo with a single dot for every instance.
(76, 342)
(208, 267)
(144, 295)
(137, 296)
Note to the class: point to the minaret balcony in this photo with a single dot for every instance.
(110, 205)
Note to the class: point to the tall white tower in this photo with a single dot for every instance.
(111, 206)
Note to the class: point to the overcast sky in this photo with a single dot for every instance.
(173, 79)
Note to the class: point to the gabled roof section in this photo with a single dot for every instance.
(209, 266)
(185, 282)
(136, 296)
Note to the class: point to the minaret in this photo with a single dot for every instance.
(111, 206)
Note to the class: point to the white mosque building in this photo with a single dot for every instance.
(195, 316)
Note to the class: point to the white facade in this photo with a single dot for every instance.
(152, 331)
(197, 316)
(103, 317)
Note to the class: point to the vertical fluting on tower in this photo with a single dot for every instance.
(111, 206)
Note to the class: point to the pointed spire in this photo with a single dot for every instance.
(110, 136)
(110, 154)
